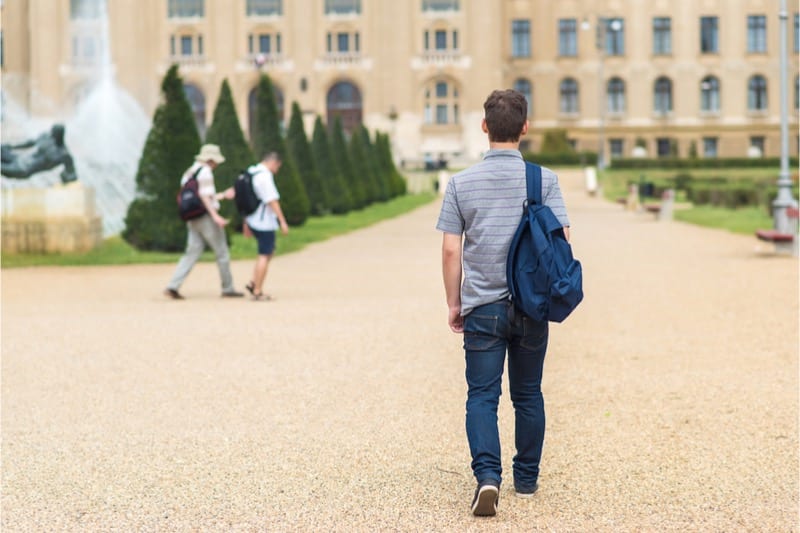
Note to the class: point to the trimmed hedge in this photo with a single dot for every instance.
(563, 159)
(726, 162)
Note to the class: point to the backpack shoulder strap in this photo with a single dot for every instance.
(533, 180)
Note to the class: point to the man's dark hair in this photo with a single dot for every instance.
(268, 156)
(505, 112)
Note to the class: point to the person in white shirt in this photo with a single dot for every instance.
(207, 229)
(265, 220)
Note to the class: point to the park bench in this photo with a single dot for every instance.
(775, 236)
(663, 209)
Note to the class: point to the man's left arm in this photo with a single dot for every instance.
(555, 201)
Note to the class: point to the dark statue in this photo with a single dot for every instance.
(48, 152)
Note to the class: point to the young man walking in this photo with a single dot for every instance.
(265, 220)
(207, 229)
(483, 205)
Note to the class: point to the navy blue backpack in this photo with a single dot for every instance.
(545, 281)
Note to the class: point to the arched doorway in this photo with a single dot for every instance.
(344, 101)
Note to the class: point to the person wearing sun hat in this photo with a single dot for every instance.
(207, 229)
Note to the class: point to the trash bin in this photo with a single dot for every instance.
(646, 189)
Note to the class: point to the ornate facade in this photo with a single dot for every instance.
(678, 76)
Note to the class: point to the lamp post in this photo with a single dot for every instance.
(784, 200)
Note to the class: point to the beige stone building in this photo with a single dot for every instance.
(673, 74)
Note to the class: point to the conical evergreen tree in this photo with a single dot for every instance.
(397, 183)
(267, 138)
(152, 221)
(300, 150)
(340, 200)
(380, 181)
(358, 159)
(226, 132)
(341, 156)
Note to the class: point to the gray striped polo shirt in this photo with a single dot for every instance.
(484, 202)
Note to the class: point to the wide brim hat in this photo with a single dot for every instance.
(210, 152)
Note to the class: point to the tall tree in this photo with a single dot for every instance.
(397, 184)
(152, 221)
(341, 156)
(380, 180)
(340, 200)
(361, 167)
(266, 137)
(300, 150)
(226, 132)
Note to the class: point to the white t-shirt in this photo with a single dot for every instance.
(263, 218)
(205, 182)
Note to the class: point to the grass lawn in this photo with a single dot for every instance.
(115, 251)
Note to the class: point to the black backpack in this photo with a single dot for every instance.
(544, 279)
(190, 206)
(247, 201)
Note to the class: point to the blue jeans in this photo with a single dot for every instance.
(490, 330)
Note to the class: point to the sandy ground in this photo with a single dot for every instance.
(672, 392)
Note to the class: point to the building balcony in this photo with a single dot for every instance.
(441, 58)
(189, 61)
(343, 61)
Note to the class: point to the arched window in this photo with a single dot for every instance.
(524, 86)
(709, 94)
(344, 101)
(616, 95)
(198, 102)
(441, 102)
(662, 92)
(252, 108)
(568, 95)
(757, 93)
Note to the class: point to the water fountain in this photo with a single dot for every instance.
(105, 133)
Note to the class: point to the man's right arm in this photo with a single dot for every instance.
(451, 272)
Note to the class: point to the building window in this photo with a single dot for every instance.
(662, 36)
(710, 146)
(568, 37)
(797, 32)
(83, 9)
(441, 103)
(616, 147)
(340, 42)
(757, 93)
(440, 5)
(440, 40)
(264, 43)
(264, 8)
(521, 38)
(756, 34)
(663, 147)
(757, 142)
(663, 96)
(615, 36)
(342, 7)
(523, 86)
(709, 35)
(568, 96)
(709, 94)
(186, 45)
(796, 87)
(616, 95)
(185, 8)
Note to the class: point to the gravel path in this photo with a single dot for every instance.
(672, 392)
